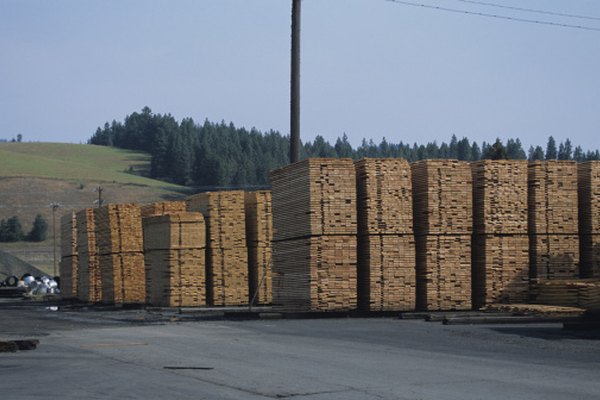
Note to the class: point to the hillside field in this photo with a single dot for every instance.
(34, 175)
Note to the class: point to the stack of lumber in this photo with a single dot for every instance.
(162, 208)
(584, 293)
(500, 242)
(89, 279)
(68, 255)
(314, 236)
(226, 251)
(553, 220)
(386, 246)
(259, 235)
(443, 222)
(120, 242)
(174, 252)
(588, 177)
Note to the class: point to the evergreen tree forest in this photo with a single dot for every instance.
(223, 155)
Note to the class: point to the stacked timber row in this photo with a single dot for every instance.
(68, 255)
(226, 251)
(120, 241)
(174, 252)
(553, 220)
(443, 222)
(259, 235)
(314, 237)
(589, 218)
(500, 241)
(162, 208)
(89, 279)
(386, 245)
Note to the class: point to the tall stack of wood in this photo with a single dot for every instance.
(314, 238)
(89, 278)
(174, 252)
(386, 245)
(68, 255)
(259, 235)
(226, 251)
(500, 240)
(553, 220)
(120, 241)
(589, 218)
(162, 208)
(443, 222)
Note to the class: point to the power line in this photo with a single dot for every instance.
(480, 14)
(531, 10)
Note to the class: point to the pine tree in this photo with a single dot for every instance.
(551, 152)
(39, 231)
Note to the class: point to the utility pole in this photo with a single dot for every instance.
(295, 84)
(54, 207)
(99, 190)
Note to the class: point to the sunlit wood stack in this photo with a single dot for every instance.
(174, 252)
(162, 208)
(89, 278)
(584, 293)
(443, 222)
(386, 246)
(314, 232)
(120, 241)
(227, 254)
(68, 255)
(259, 235)
(500, 241)
(589, 218)
(553, 220)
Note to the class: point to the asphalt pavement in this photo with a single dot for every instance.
(139, 354)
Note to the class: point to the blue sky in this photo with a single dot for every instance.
(370, 68)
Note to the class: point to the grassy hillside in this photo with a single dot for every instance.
(33, 175)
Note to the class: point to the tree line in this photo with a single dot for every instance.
(220, 154)
(11, 230)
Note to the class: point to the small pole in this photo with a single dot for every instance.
(100, 196)
(54, 206)
(295, 84)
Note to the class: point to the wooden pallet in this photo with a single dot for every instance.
(384, 196)
(442, 197)
(314, 197)
(589, 247)
(588, 178)
(500, 197)
(584, 293)
(500, 271)
(317, 273)
(175, 257)
(89, 278)
(386, 272)
(554, 256)
(553, 198)
(68, 255)
(259, 235)
(123, 278)
(443, 272)
(119, 229)
(162, 208)
(227, 254)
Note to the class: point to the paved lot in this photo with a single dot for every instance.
(137, 355)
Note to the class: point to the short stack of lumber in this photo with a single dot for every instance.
(162, 208)
(314, 237)
(68, 255)
(553, 220)
(120, 240)
(226, 251)
(89, 278)
(443, 222)
(500, 242)
(386, 245)
(584, 293)
(174, 252)
(588, 177)
(259, 235)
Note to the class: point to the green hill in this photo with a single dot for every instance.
(34, 175)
